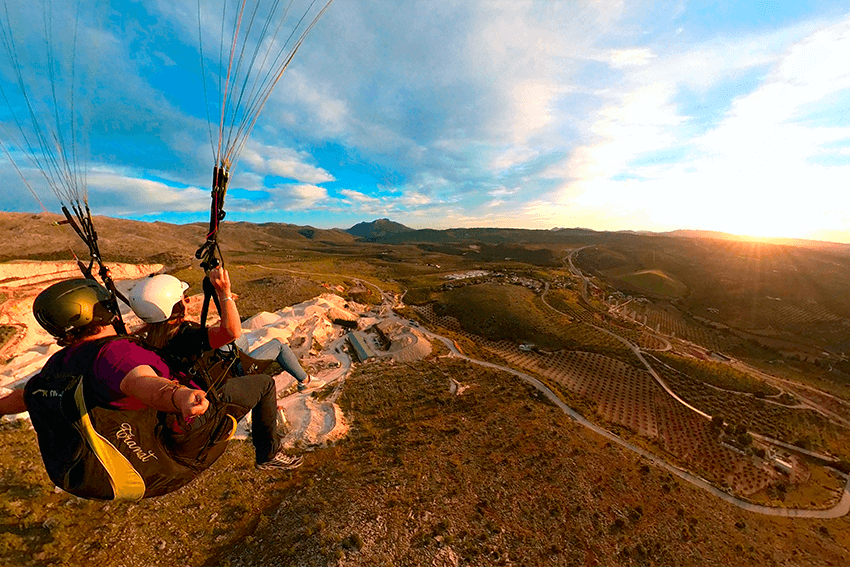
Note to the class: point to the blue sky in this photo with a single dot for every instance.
(530, 114)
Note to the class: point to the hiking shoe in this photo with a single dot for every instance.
(310, 383)
(281, 462)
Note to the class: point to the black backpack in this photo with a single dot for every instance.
(100, 453)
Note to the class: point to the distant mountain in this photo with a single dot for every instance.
(386, 231)
(799, 242)
(377, 229)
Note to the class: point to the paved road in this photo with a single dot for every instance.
(577, 272)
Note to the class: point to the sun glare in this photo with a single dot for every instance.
(763, 221)
(766, 228)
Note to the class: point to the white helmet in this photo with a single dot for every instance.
(153, 298)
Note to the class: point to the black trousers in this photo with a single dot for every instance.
(255, 393)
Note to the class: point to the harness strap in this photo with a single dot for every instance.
(84, 227)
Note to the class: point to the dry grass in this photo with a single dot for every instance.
(6, 333)
(497, 476)
(494, 476)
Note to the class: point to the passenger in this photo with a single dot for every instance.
(75, 312)
(160, 302)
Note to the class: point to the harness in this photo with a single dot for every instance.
(109, 454)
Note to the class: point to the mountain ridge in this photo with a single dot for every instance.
(37, 236)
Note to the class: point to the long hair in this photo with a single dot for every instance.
(157, 335)
(75, 335)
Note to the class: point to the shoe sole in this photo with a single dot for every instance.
(276, 467)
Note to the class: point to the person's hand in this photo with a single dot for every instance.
(220, 280)
(191, 402)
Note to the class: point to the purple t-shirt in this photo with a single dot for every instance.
(114, 361)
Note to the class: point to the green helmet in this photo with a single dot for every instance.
(72, 304)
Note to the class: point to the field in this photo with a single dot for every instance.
(625, 396)
(669, 321)
(719, 375)
(800, 426)
(622, 395)
(500, 312)
(786, 292)
(654, 282)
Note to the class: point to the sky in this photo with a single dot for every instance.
(643, 115)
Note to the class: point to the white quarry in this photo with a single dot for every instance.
(315, 330)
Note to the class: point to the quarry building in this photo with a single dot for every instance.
(389, 339)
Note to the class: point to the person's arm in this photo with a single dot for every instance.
(230, 327)
(158, 393)
(12, 403)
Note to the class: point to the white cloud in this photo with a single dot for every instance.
(808, 72)
(427, 182)
(297, 196)
(413, 199)
(531, 57)
(540, 212)
(761, 156)
(358, 196)
(330, 112)
(532, 107)
(513, 156)
(503, 191)
(112, 193)
(641, 121)
(284, 162)
(631, 57)
(247, 180)
(460, 103)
